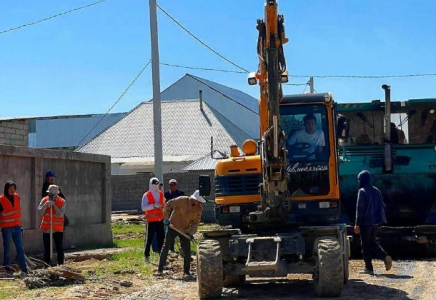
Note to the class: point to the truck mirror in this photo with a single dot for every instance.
(204, 185)
(343, 128)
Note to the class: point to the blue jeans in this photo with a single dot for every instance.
(13, 233)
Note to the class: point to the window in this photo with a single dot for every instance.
(306, 132)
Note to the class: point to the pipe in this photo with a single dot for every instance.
(200, 96)
(387, 89)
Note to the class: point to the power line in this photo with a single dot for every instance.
(218, 70)
(118, 100)
(203, 43)
(51, 17)
(365, 76)
(203, 69)
(305, 76)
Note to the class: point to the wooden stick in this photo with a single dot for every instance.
(51, 232)
(184, 234)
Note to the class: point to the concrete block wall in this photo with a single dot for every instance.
(14, 132)
(127, 190)
(83, 178)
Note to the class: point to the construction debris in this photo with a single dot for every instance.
(57, 276)
(126, 283)
(122, 272)
(128, 217)
(99, 254)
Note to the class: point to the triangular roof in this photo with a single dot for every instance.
(232, 94)
(186, 132)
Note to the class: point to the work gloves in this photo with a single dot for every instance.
(157, 205)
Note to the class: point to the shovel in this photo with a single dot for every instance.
(184, 234)
(51, 232)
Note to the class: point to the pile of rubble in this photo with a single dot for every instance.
(127, 217)
(56, 276)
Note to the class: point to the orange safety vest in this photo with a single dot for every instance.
(58, 223)
(11, 215)
(154, 215)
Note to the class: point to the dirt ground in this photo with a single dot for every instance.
(406, 280)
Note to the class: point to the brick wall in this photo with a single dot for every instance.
(14, 133)
(422, 127)
(127, 190)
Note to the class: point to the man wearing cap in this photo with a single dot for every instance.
(152, 205)
(185, 217)
(53, 221)
(50, 178)
(173, 193)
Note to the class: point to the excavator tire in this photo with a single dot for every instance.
(209, 269)
(329, 269)
(233, 280)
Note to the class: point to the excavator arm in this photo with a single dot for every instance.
(270, 76)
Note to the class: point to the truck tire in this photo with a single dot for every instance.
(233, 280)
(209, 269)
(329, 268)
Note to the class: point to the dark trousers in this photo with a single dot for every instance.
(368, 235)
(152, 229)
(186, 248)
(58, 238)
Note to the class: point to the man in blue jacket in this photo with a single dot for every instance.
(370, 214)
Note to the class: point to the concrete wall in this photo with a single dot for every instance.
(14, 133)
(85, 182)
(127, 190)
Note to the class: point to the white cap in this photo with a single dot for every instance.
(53, 189)
(197, 197)
(173, 181)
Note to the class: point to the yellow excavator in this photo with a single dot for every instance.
(281, 196)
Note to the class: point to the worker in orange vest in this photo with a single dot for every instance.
(56, 204)
(152, 205)
(10, 224)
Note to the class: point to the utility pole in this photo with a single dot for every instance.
(158, 156)
(312, 88)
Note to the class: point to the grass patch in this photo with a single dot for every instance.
(9, 289)
(132, 243)
(128, 228)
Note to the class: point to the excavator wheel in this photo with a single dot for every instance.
(233, 280)
(329, 268)
(209, 269)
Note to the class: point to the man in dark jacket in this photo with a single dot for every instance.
(173, 193)
(370, 214)
(50, 178)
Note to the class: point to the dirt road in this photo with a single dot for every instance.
(407, 280)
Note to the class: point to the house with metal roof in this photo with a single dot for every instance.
(191, 124)
(188, 127)
(239, 108)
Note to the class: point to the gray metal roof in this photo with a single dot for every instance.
(68, 131)
(186, 131)
(206, 162)
(234, 94)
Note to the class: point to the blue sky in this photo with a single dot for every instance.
(80, 63)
